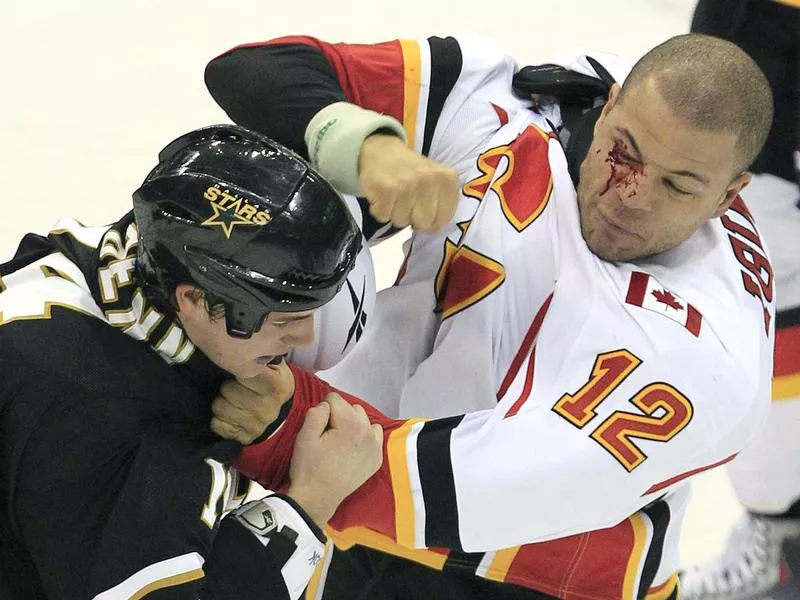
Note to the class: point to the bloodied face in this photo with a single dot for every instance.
(651, 179)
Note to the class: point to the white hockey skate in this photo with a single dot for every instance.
(760, 562)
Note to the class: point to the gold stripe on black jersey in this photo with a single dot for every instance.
(169, 582)
(45, 314)
(53, 272)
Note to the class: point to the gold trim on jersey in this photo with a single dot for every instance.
(168, 582)
(786, 387)
(412, 70)
(82, 234)
(793, 3)
(316, 585)
(56, 281)
(665, 590)
(397, 454)
(351, 536)
(49, 271)
(52, 281)
(72, 235)
(45, 314)
(113, 276)
(139, 315)
(501, 563)
(476, 276)
(449, 253)
(113, 247)
(175, 346)
(632, 572)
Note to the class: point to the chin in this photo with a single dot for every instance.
(245, 371)
(612, 254)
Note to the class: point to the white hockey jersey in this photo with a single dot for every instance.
(571, 397)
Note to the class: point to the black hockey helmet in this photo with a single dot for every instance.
(245, 219)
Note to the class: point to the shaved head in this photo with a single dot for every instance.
(712, 85)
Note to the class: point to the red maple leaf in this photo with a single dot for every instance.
(666, 297)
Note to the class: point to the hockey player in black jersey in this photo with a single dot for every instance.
(113, 343)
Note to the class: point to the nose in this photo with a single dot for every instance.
(634, 192)
(300, 333)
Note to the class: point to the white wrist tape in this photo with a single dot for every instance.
(276, 522)
(334, 137)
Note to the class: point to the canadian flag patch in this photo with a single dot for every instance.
(644, 290)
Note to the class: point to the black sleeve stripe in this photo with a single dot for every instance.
(463, 562)
(659, 514)
(438, 484)
(446, 63)
(275, 89)
(787, 318)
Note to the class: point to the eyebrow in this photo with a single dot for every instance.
(683, 173)
(292, 317)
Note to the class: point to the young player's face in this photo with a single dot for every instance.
(244, 358)
(650, 179)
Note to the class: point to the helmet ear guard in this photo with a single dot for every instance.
(241, 319)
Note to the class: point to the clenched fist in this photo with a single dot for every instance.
(245, 408)
(336, 451)
(404, 187)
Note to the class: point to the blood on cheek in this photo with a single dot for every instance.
(625, 171)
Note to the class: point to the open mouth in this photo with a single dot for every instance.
(270, 359)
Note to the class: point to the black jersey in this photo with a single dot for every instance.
(111, 483)
(769, 31)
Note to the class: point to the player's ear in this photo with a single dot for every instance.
(733, 189)
(613, 96)
(189, 300)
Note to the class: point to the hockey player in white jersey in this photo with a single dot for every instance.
(583, 347)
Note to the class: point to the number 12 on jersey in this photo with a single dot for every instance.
(665, 410)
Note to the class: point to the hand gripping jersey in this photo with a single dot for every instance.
(566, 399)
(112, 485)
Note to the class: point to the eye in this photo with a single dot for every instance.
(626, 157)
(670, 185)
